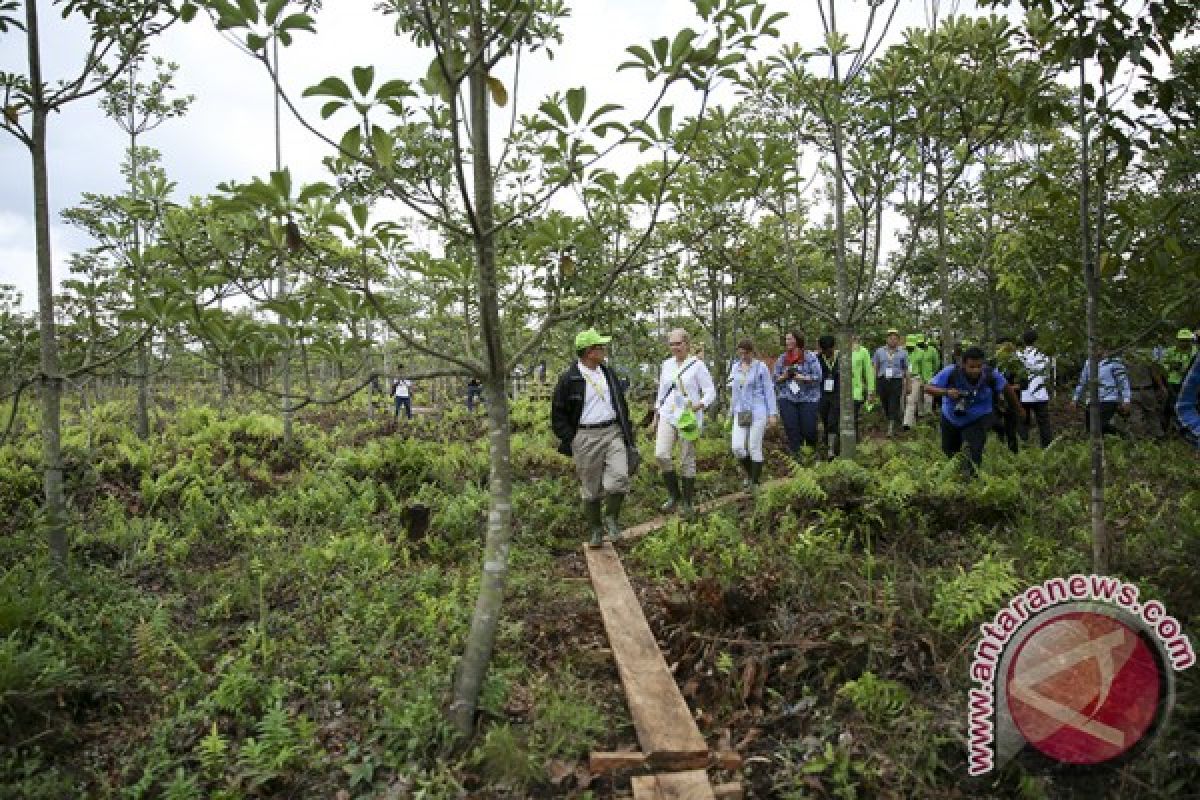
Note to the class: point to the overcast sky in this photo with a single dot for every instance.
(227, 133)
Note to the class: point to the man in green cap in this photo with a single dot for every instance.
(589, 416)
(1169, 377)
(924, 363)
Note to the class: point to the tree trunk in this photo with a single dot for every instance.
(51, 379)
(847, 431)
(1101, 546)
(482, 637)
(943, 261)
(285, 358)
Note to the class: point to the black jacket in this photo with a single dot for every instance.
(566, 407)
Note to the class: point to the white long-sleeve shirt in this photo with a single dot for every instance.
(679, 383)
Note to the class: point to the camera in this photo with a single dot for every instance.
(791, 373)
(964, 400)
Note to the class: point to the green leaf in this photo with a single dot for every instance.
(661, 48)
(359, 211)
(382, 144)
(297, 22)
(352, 141)
(334, 87)
(664, 120)
(607, 108)
(551, 109)
(331, 108)
(576, 99)
(363, 78)
(499, 93)
(272, 10)
(255, 42)
(249, 9)
(394, 88)
(682, 44)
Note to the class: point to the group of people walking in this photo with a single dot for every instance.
(1008, 393)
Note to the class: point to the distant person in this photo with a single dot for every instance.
(1174, 365)
(540, 371)
(1114, 391)
(863, 374)
(685, 390)
(589, 416)
(754, 406)
(1035, 394)
(968, 393)
(402, 395)
(797, 375)
(474, 393)
(830, 408)
(1007, 416)
(923, 365)
(891, 377)
(1187, 405)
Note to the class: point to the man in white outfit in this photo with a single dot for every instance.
(1035, 397)
(684, 383)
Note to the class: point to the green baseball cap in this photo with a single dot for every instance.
(589, 338)
(1184, 333)
(911, 340)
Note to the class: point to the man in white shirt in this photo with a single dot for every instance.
(402, 392)
(591, 420)
(685, 389)
(1035, 397)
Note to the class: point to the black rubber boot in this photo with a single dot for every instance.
(756, 468)
(748, 466)
(671, 481)
(612, 510)
(686, 509)
(592, 512)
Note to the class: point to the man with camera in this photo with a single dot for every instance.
(969, 393)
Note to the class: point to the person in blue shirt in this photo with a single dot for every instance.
(1187, 406)
(754, 406)
(1114, 391)
(798, 378)
(891, 378)
(968, 393)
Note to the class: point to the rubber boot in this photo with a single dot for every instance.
(747, 465)
(592, 512)
(671, 481)
(612, 510)
(756, 468)
(831, 444)
(891, 428)
(686, 509)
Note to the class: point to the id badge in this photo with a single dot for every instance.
(889, 372)
(829, 384)
(794, 386)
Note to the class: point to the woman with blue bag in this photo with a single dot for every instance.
(754, 407)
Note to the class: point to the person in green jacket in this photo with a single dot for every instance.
(863, 374)
(924, 362)
(1169, 377)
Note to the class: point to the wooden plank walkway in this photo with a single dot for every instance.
(657, 523)
(691, 785)
(665, 728)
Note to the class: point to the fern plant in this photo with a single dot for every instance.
(968, 596)
(878, 699)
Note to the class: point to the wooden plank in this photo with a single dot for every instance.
(665, 729)
(645, 787)
(728, 791)
(691, 785)
(602, 762)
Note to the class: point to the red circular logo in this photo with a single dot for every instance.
(1084, 688)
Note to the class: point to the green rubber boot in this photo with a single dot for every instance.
(612, 510)
(756, 468)
(687, 509)
(592, 512)
(671, 481)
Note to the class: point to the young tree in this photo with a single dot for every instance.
(430, 144)
(117, 32)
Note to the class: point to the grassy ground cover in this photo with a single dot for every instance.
(240, 621)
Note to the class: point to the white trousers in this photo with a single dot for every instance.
(749, 441)
(664, 444)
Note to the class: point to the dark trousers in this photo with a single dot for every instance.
(829, 411)
(891, 394)
(1005, 426)
(1107, 410)
(974, 436)
(406, 404)
(1041, 412)
(1168, 412)
(799, 423)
